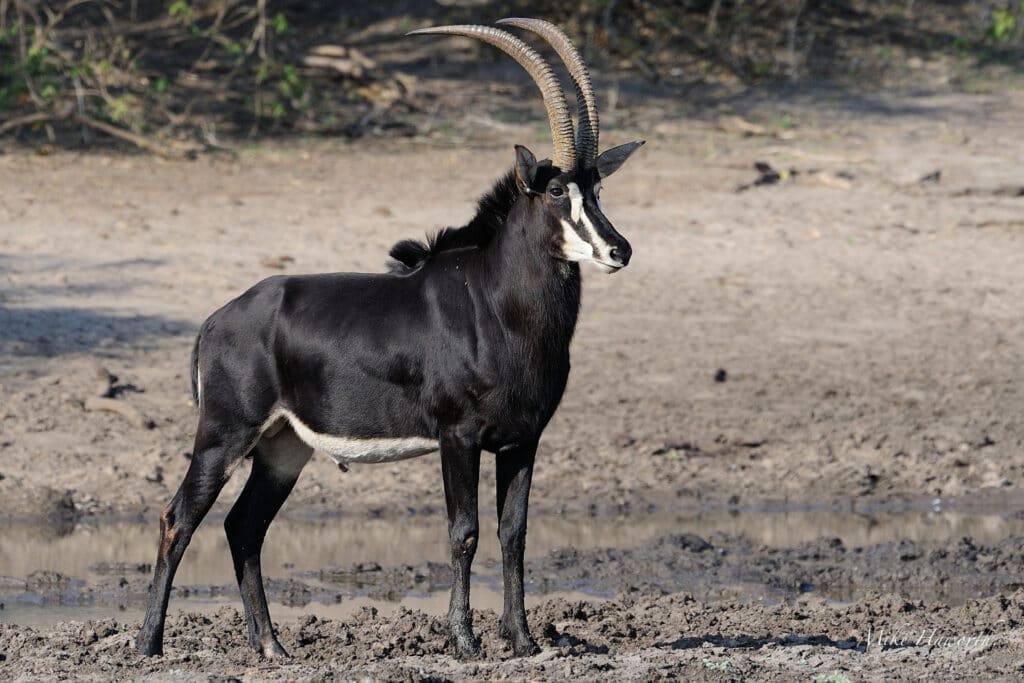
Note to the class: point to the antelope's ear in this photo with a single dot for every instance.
(611, 159)
(526, 169)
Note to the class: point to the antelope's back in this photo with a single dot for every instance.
(374, 355)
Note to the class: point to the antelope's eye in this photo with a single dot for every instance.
(556, 191)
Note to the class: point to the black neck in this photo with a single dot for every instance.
(534, 292)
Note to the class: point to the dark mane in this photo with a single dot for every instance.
(492, 210)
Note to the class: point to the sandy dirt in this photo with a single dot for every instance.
(848, 336)
(868, 328)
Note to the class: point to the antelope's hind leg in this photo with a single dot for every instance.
(276, 464)
(216, 453)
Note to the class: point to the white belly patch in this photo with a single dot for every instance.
(345, 449)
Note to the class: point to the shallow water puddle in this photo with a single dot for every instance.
(484, 597)
(300, 549)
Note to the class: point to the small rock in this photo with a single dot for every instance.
(546, 655)
(692, 542)
(277, 263)
(46, 579)
(121, 568)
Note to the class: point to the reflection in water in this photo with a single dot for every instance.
(484, 597)
(297, 545)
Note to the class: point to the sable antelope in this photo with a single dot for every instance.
(462, 347)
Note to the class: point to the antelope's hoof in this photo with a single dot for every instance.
(525, 647)
(522, 644)
(466, 646)
(147, 647)
(470, 651)
(273, 650)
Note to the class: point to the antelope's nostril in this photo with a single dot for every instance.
(621, 254)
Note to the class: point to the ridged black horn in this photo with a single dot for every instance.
(588, 126)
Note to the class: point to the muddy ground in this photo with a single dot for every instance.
(654, 629)
(849, 337)
(648, 638)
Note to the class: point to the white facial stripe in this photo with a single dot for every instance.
(574, 247)
(575, 201)
(590, 246)
(199, 387)
(580, 216)
(344, 449)
(603, 249)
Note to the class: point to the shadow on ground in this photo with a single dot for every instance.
(49, 332)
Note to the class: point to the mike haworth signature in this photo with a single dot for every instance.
(890, 638)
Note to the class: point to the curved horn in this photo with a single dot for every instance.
(589, 126)
(564, 155)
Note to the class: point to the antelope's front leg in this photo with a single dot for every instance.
(514, 473)
(460, 466)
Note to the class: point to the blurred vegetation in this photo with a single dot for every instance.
(757, 41)
(172, 76)
(160, 73)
